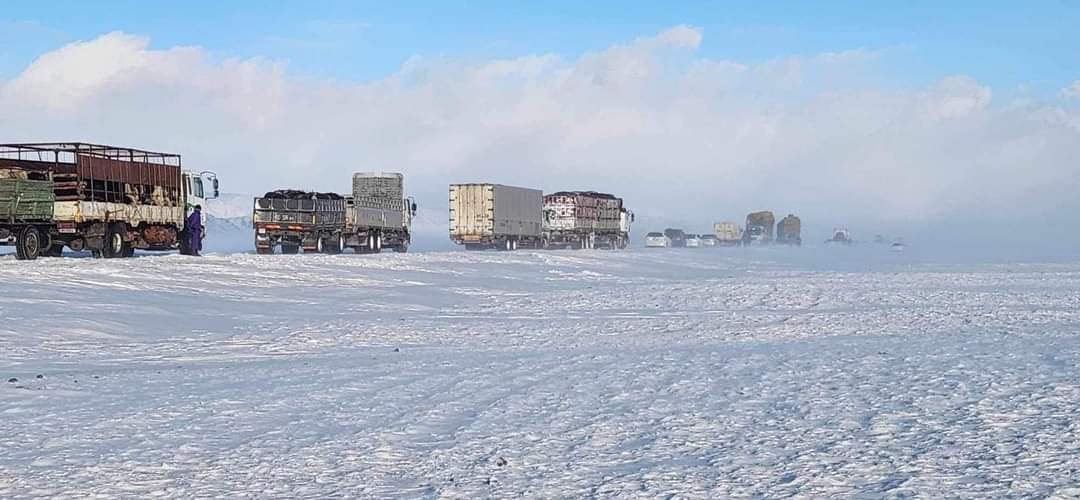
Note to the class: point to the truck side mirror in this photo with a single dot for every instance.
(631, 217)
(217, 191)
(413, 208)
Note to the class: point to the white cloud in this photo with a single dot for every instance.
(1072, 91)
(677, 139)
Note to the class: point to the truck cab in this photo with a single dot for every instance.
(199, 187)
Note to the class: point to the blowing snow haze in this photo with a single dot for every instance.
(685, 135)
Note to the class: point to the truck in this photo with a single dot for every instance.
(841, 236)
(585, 219)
(484, 216)
(759, 228)
(728, 234)
(375, 217)
(106, 199)
(789, 231)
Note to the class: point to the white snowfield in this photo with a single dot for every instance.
(637, 374)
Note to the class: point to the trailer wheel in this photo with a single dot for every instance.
(319, 247)
(28, 244)
(339, 247)
(378, 243)
(513, 245)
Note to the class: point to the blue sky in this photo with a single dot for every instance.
(1025, 47)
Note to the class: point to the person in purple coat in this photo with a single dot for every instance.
(194, 231)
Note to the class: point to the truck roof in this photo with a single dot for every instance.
(65, 152)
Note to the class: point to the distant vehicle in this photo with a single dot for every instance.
(693, 241)
(484, 216)
(755, 234)
(377, 216)
(657, 240)
(840, 236)
(708, 240)
(898, 247)
(728, 234)
(676, 236)
(765, 222)
(789, 231)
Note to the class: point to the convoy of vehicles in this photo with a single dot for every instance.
(112, 201)
(376, 216)
(106, 199)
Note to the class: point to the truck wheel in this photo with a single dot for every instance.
(264, 250)
(378, 243)
(513, 245)
(114, 241)
(28, 244)
(339, 245)
(319, 247)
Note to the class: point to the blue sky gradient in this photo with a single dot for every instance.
(1015, 47)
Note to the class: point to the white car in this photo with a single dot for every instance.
(657, 240)
(693, 241)
(709, 240)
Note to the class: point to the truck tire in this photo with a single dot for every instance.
(28, 244)
(378, 243)
(115, 243)
(339, 244)
(264, 250)
(319, 246)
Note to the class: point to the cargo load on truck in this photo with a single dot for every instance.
(379, 215)
(373, 218)
(789, 231)
(728, 234)
(585, 219)
(106, 199)
(759, 228)
(484, 216)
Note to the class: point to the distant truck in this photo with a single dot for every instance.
(841, 236)
(789, 231)
(728, 234)
(759, 228)
(106, 199)
(377, 216)
(585, 219)
(485, 216)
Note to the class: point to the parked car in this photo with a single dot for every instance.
(657, 240)
(709, 240)
(693, 241)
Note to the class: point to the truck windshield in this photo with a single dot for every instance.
(196, 187)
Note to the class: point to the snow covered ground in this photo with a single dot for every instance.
(539, 374)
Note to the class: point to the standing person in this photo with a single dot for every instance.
(194, 228)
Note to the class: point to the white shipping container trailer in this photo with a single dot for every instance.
(486, 216)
